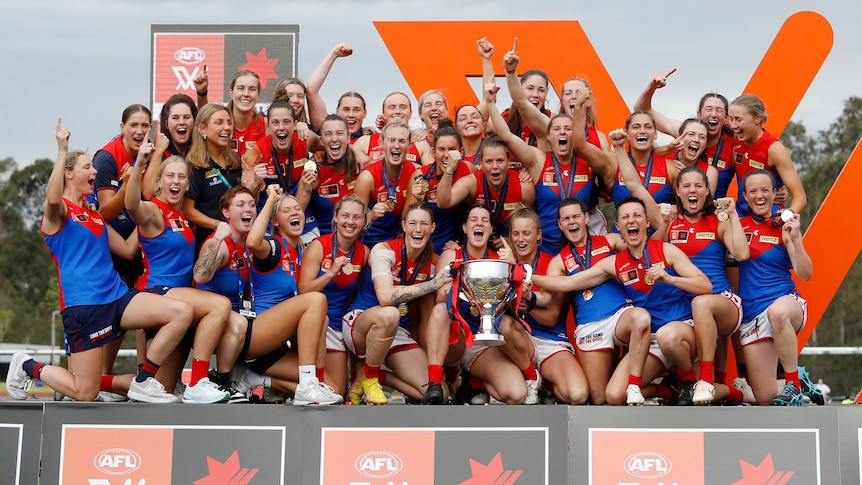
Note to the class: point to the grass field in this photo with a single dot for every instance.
(37, 391)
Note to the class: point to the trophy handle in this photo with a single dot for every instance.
(529, 270)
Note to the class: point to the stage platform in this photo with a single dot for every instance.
(145, 444)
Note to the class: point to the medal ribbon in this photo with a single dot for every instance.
(558, 173)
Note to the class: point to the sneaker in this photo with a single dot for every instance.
(240, 376)
(373, 391)
(686, 391)
(634, 397)
(316, 392)
(809, 389)
(533, 387)
(355, 393)
(205, 392)
(179, 390)
(108, 396)
(267, 395)
(790, 396)
(233, 388)
(59, 396)
(704, 393)
(743, 387)
(480, 397)
(434, 393)
(151, 391)
(548, 397)
(17, 381)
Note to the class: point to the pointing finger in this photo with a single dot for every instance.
(515, 45)
(670, 72)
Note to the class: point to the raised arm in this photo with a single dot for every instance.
(213, 256)
(792, 236)
(689, 277)
(202, 83)
(143, 213)
(779, 158)
(632, 179)
(55, 209)
(644, 103)
(731, 232)
(486, 52)
(602, 162)
(154, 167)
(530, 157)
(448, 194)
(532, 115)
(255, 240)
(316, 105)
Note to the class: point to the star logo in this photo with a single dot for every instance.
(491, 474)
(262, 65)
(762, 474)
(227, 473)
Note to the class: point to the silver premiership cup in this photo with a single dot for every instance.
(488, 286)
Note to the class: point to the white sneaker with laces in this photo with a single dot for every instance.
(533, 387)
(17, 381)
(634, 397)
(747, 392)
(204, 392)
(316, 392)
(704, 393)
(151, 391)
(480, 398)
(107, 396)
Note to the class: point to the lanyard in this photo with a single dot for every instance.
(558, 173)
(646, 261)
(499, 203)
(246, 262)
(716, 156)
(279, 170)
(390, 187)
(466, 254)
(402, 273)
(647, 173)
(335, 249)
(585, 261)
(215, 166)
(291, 265)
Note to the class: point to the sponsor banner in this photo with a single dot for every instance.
(199, 455)
(20, 442)
(180, 52)
(11, 447)
(412, 456)
(629, 456)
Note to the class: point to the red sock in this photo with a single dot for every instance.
(435, 373)
(382, 377)
(636, 380)
(720, 377)
(706, 371)
(147, 370)
(477, 384)
(107, 384)
(321, 375)
(735, 394)
(530, 373)
(200, 369)
(663, 392)
(686, 375)
(792, 377)
(371, 372)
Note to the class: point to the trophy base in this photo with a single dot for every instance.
(488, 340)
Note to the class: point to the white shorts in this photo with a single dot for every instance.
(655, 351)
(601, 334)
(470, 355)
(737, 302)
(760, 328)
(545, 348)
(334, 341)
(402, 341)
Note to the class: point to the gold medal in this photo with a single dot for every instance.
(347, 269)
(309, 166)
(402, 309)
(648, 280)
(722, 216)
(587, 295)
(390, 205)
(425, 185)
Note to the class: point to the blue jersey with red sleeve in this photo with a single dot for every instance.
(110, 162)
(273, 278)
(284, 169)
(552, 187)
(654, 177)
(413, 273)
(332, 186)
(80, 250)
(232, 279)
(511, 201)
(558, 331)
(169, 256)
(720, 156)
(747, 158)
(664, 302)
(700, 242)
(603, 300)
(765, 276)
(388, 226)
(341, 289)
(447, 221)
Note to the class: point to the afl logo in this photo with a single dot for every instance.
(190, 55)
(648, 465)
(379, 464)
(117, 461)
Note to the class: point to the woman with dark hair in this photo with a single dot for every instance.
(294, 92)
(176, 122)
(351, 105)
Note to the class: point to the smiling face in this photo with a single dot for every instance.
(181, 122)
(218, 129)
(296, 97)
(714, 113)
(396, 144)
(692, 190)
(759, 193)
(745, 125)
(560, 136)
(632, 223)
(349, 220)
(469, 122)
(174, 181)
(134, 131)
(442, 147)
(535, 89)
(432, 108)
(281, 126)
(245, 92)
(335, 139)
(396, 106)
(495, 162)
(289, 218)
(573, 223)
(240, 213)
(694, 139)
(569, 92)
(81, 175)
(417, 226)
(352, 110)
(525, 235)
(477, 228)
(641, 132)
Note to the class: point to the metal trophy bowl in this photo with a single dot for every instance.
(487, 285)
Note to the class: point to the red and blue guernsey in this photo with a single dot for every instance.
(110, 162)
(375, 150)
(699, 241)
(501, 204)
(273, 279)
(653, 175)
(341, 289)
(386, 189)
(232, 279)
(599, 302)
(664, 302)
(557, 182)
(168, 257)
(283, 169)
(404, 272)
(332, 187)
(765, 276)
(720, 156)
(80, 250)
(747, 158)
(243, 139)
(558, 331)
(448, 221)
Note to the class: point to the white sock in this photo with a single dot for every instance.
(255, 379)
(306, 374)
(267, 381)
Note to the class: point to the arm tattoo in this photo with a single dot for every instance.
(413, 292)
(205, 267)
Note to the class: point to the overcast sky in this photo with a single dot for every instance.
(86, 60)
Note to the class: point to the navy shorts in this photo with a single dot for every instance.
(92, 326)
